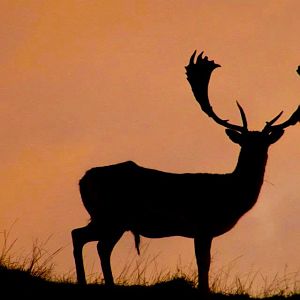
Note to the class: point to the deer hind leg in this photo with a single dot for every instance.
(105, 247)
(81, 236)
(202, 251)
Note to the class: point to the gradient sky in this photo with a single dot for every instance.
(90, 83)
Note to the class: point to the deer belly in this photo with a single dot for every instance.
(165, 227)
(220, 226)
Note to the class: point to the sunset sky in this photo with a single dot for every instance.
(91, 83)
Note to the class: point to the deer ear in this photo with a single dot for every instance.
(275, 135)
(235, 136)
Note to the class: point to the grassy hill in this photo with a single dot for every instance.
(31, 277)
(16, 282)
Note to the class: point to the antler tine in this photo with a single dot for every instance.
(198, 75)
(192, 58)
(293, 120)
(270, 123)
(200, 57)
(243, 115)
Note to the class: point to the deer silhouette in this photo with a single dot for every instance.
(155, 204)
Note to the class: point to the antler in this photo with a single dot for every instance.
(198, 75)
(294, 118)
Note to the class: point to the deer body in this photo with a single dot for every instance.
(152, 203)
(158, 212)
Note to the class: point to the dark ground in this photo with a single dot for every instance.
(16, 283)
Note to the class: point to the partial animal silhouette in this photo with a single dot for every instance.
(155, 204)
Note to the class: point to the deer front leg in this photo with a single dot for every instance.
(202, 251)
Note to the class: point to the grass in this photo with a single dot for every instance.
(31, 276)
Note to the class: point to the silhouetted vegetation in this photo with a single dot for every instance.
(18, 282)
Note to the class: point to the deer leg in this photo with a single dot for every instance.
(105, 247)
(80, 237)
(202, 251)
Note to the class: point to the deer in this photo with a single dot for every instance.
(155, 204)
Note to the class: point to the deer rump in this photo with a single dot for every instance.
(151, 203)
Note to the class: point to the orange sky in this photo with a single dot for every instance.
(87, 83)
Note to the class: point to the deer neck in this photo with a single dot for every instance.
(249, 176)
(250, 168)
